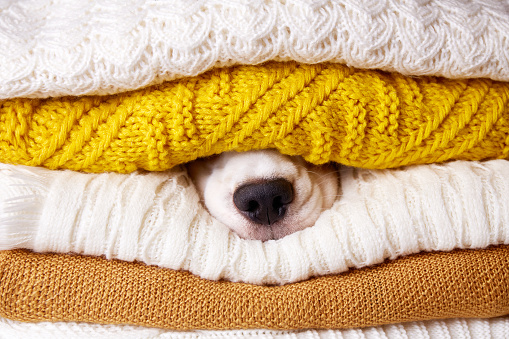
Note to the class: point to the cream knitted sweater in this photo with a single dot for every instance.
(157, 218)
(497, 328)
(59, 47)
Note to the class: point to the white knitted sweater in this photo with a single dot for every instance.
(61, 47)
(157, 218)
(497, 328)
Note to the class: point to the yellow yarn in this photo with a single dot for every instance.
(325, 112)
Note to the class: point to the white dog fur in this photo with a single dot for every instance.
(315, 189)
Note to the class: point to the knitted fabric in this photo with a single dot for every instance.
(324, 112)
(49, 50)
(494, 328)
(57, 47)
(51, 287)
(157, 218)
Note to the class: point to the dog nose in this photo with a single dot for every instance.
(265, 202)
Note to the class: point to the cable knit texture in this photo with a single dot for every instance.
(495, 328)
(325, 112)
(56, 47)
(60, 287)
(157, 218)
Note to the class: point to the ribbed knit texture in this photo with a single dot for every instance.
(57, 47)
(324, 112)
(157, 218)
(50, 287)
(495, 328)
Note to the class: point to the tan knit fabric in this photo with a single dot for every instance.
(463, 283)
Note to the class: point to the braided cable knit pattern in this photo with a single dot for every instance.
(325, 112)
(57, 47)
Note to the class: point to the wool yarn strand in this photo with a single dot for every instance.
(324, 112)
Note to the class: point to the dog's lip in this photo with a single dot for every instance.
(275, 231)
(254, 224)
(264, 233)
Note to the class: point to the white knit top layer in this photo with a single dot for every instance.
(497, 328)
(157, 218)
(61, 47)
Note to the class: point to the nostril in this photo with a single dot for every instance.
(278, 202)
(252, 206)
(264, 202)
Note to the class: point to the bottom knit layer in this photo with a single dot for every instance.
(495, 328)
(50, 287)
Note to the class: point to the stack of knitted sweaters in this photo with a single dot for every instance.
(103, 235)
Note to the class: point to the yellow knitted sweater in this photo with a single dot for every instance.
(325, 112)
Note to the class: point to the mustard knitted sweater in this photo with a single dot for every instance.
(325, 112)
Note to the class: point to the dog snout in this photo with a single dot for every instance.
(264, 202)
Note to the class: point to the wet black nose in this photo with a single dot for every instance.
(265, 202)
